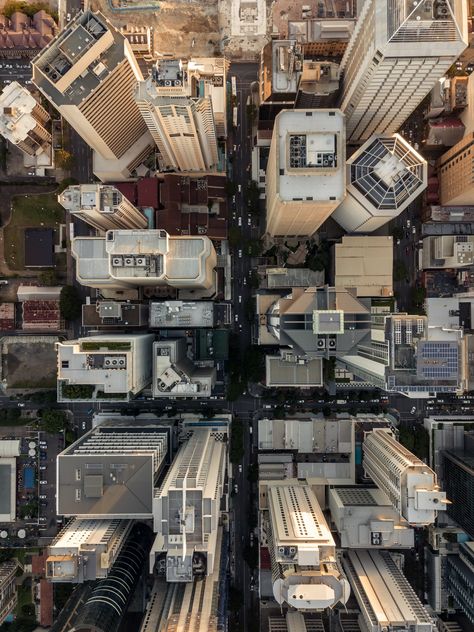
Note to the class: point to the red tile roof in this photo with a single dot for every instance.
(148, 192)
(46, 603)
(41, 315)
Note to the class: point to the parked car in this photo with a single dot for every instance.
(240, 468)
(43, 497)
(413, 410)
(21, 405)
(43, 482)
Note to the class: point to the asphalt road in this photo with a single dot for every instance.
(15, 70)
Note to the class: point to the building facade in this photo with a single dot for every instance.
(85, 72)
(177, 104)
(23, 121)
(305, 171)
(455, 167)
(459, 484)
(101, 206)
(396, 55)
(8, 594)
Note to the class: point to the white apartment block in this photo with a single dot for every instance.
(410, 485)
(186, 508)
(305, 572)
(382, 178)
(104, 367)
(23, 120)
(365, 518)
(131, 258)
(305, 171)
(177, 103)
(88, 72)
(85, 550)
(386, 600)
(396, 55)
(175, 375)
(101, 206)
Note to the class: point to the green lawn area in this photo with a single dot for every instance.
(24, 597)
(29, 211)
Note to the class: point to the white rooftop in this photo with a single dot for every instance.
(16, 105)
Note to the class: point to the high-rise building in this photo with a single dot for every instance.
(175, 375)
(410, 485)
(183, 105)
(455, 167)
(305, 573)
(102, 206)
(396, 55)
(8, 594)
(186, 508)
(131, 258)
(460, 578)
(383, 177)
(111, 472)
(365, 518)
(386, 600)
(86, 549)
(458, 480)
(305, 171)
(23, 121)
(104, 367)
(88, 72)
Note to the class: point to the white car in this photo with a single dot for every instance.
(236, 488)
(236, 318)
(43, 497)
(240, 254)
(240, 299)
(239, 222)
(413, 410)
(413, 230)
(83, 425)
(21, 405)
(249, 221)
(43, 482)
(240, 468)
(240, 188)
(408, 223)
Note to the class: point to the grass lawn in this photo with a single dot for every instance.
(24, 597)
(29, 211)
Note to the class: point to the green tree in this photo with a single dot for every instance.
(70, 303)
(63, 159)
(53, 421)
(67, 182)
(397, 232)
(48, 277)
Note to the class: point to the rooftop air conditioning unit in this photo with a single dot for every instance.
(117, 261)
(167, 83)
(121, 361)
(129, 261)
(281, 550)
(140, 261)
(321, 343)
(178, 82)
(332, 344)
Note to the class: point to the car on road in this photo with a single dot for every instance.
(236, 489)
(413, 230)
(408, 223)
(234, 200)
(236, 318)
(245, 280)
(42, 468)
(240, 468)
(239, 221)
(240, 254)
(240, 299)
(249, 221)
(398, 242)
(240, 188)
(83, 425)
(21, 405)
(43, 482)
(413, 410)
(43, 497)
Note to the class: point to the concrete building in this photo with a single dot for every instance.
(305, 573)
(131, 258)
(83, 72)
(102, 206)
(181, 314)
(9, 451)
(409, 484)
(446, 433)
(186, 507)
(366, 264)
(287, 370)
(382, 178)
(177, 103)
(455, 173)
(396, 55)
(175, 375)
(111, 472)
(85, 550)
(115, 315)
(448, 251)
(364, 518)
(8, 594)
(104, 367)
(460, 576)
(305, 171)
(386, 600)
(23, 122)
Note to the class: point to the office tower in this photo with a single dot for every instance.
(8, 595)
(182, 314)
(448, 252)
(305, 573)
(383, 177)
(115, 315)
(455, 167)
(86, 550)
(459, 484)
(305, 171)
(104, 367)
(175, 375)
(183, 105)
(460, 578)
(366, 264)
(386, 600)
(364, 518)
(102, 206)
(186, 508)
(130, 258)
(88, 72)
(410, 485)
(111, 472)
(110, 597)
(396, 55)
(23, 120)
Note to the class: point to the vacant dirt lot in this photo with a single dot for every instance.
(30, 365)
